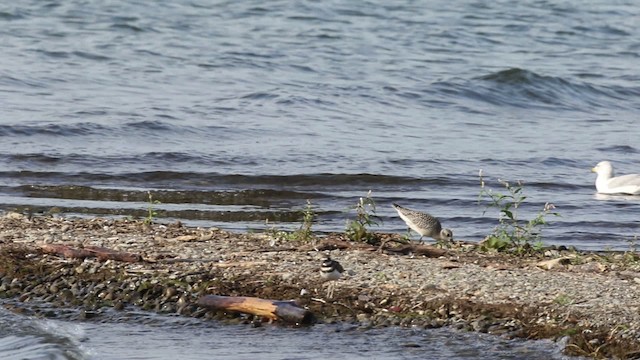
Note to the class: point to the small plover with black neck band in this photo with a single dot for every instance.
(330, 270)
(424, 224)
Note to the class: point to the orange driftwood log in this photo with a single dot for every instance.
(90, 251)
(287, 311)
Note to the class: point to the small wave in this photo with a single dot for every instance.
(152, 125)
(14, 82)
(527, 89)
(15, 15)
(77, 129)
(193, 180)
(25, 338)
(620, 149)
(54, 54)
(91, 56)
(127, 27)
(260, 96)
(256, 197)
(30, 347)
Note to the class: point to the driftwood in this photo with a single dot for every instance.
(287, 311)
(416, 249)
(98, 252)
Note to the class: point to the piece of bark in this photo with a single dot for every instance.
(98, 252)
(286, 311)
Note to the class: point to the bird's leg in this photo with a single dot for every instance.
(330, 290)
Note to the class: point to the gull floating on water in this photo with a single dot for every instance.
(606, 183)
(424, 224)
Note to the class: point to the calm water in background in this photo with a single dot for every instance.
(237, 112)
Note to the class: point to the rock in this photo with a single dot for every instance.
(594, 267)
(554, 263)
(186, 238)
(14, 216)
(449, 265)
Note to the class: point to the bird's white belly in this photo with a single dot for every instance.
(334, 275)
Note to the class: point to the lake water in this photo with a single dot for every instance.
(234, 112)
(143, 336)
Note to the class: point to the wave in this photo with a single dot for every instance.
(526, 89)
(237, 180)
(86, 128)
(260, 197)
(22, 337)
(77, 129)
(619, 149)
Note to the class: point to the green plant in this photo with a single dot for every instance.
(631, 256)
(304, 233)
(357, 229)
(563, 299)
(513, 233)
(151, 212)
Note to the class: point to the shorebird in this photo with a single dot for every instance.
(330, 270)
(424, 224)
(607, 184)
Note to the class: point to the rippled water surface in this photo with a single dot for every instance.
(142, 336)
(238, 112)
(235, 112)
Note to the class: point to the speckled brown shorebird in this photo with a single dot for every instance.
(424, 224)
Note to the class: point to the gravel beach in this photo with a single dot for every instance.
(587, 300)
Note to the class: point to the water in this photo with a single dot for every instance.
(139, 335)
(238, 112)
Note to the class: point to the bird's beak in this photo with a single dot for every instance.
(593, 169)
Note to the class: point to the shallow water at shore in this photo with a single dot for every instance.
(145, 336)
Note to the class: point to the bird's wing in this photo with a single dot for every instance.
(628, 184)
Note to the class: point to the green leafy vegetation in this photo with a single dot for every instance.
(304, 233)
(563, 299)
(151, 211)
(513, 233)
(358, 229)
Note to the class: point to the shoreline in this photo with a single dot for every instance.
(587, 299)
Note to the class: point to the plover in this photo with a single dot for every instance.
(607, 184)
(424, 224)
(330, 270)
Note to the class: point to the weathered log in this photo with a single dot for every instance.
(65, 251)
(103, 253)
(98, 252)
(287, 311)
(426, 250)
